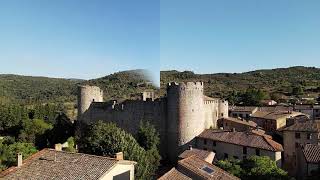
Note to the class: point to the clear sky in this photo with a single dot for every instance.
(92, 38)
(79, 38)
(209, 36)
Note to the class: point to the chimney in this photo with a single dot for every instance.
(233, 129)
(19, 159)
(190, 147)
(119, 156)
(58, 147)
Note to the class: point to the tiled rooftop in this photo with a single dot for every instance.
(202, 154)
(51, 164)
(243, 108)
(196, 166)
(247, 139)
(274, 115)
(174, 174)
(311, 153)
(244, 122)
(308, 126)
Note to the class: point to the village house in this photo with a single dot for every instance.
(312, 110)
(193, 167)
(238, 124)
(207, 156)
(271, 121)
(242, 111)
(239, 145)
(53, 164)
(300, 133)
(308, 161)
(269, 102)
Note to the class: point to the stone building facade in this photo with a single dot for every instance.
(299, 134)
(239, 145)
(179, 116)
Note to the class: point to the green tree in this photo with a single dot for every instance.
(8, 153)
(35, 131)
(148, 138)
(232, 166)
(297, 90)
(106, 139)
(255, 167)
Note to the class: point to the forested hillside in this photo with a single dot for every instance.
(280, 82)
(27, 89)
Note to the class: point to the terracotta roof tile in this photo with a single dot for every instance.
(308, 126)
(51, 164)
(311, 153)
(244, 122)
(202, 154)
(195, 165)
(247, 139)
(174, 174)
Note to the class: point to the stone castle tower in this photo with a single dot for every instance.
(185, 108)
(87, 95)
(179, 117)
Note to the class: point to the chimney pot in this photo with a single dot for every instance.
(58, 147)
(119, 156)
(19, 159)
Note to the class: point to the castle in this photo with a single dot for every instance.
(179, 116)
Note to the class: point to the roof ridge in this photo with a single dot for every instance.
(92, 155)
(24, 162)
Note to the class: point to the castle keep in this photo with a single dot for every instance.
(179, 116)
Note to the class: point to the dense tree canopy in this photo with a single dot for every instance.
(105, 139)
(255, 167)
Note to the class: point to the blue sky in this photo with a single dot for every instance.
(79, 38)
(234, 36)
(89, 39)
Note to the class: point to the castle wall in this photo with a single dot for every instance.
(211, 114)
(87, 95)
(185, 110)
(129, 114)
(179, 117)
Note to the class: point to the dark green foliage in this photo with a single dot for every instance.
(232, 166)
(255, 167)
(298, 90)
(27, 89)
(271, 81)
(35, 131)
(30, 90)
(123, 85)
(105, 139)
(8, 153)
(148, 138)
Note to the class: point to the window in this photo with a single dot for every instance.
(214, 143)
(226, 155)
(204, 141)
(92, 100)
(297, 145)
(309, 136)
(222, 114)
(258, 152)
(247, 115)
(240, 115)
(297, 135)
(207, 169)
(244, 150)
